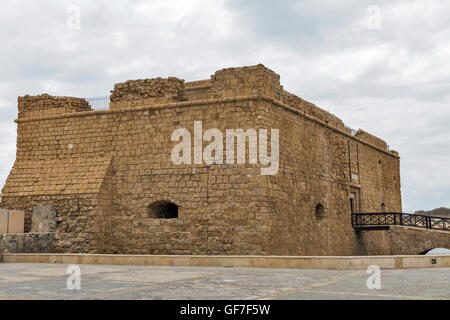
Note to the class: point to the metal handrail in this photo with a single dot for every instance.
(371, 219)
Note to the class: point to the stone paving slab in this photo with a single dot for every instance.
(48, 281)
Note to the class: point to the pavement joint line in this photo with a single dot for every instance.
(59, 278)
(31, 281)
(129, 290)
(308, 287)
(64, 277)
(420, 280)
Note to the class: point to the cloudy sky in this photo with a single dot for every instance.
(383, 66)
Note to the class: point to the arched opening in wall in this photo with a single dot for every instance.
(320, 211)
(163, 210)
(383, 207)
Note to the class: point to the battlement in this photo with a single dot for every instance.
(152, 91)
(245, 81)
(44, 104)
(249, 82)
(225, 83)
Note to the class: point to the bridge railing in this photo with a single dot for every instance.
(374, 219)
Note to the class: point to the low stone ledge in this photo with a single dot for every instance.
(285, 262)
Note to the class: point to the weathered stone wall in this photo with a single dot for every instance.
(75, 219)
(399, 240)
(311, 110)
(26, 242)
(315, 169)
(198, 90)
(218, 205)
(35, 106)
(102, 169)
(254, 80)
(148, 91)
(312, 172)
(378, 180)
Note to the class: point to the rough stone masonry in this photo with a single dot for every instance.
(110, 178)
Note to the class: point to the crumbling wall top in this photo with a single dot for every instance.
(44, 104)
(249, 81)
(155, 90)
(245, 81)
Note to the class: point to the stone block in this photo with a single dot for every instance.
(4, 217)
(43, 219)
(16, 221)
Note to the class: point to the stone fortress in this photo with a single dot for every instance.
(102, 181)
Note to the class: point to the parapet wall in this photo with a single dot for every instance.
(245, 81)
(36, 106)
(153, 91)
(312, 110)
(363, 135)
(226, 83)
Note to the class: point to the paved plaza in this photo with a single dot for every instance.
(50, 281)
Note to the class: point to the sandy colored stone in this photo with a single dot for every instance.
(16, 221)
(4, 217)
(44, 218)
(101, 170)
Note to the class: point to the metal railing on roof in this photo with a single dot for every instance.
(99, 103)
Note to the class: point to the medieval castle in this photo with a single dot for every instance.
(105, 181)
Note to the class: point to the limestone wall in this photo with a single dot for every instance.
(232, 82)
(26, 242)
(35, 106)
(398, 240)
(156, 91)
(218, 205)
(102, 169)
(315, 168)
(311, 109)
(75, 219)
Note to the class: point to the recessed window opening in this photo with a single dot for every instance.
(163, 210)
(320, 211)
